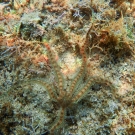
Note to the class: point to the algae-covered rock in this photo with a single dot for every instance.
(30, 26)
(32, 17)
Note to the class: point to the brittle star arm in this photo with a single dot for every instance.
(48, 88)
(58, 122)
(56, 69)
(82, 92)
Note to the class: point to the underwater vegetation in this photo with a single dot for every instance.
(67, 67)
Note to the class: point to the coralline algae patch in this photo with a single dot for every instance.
(69, 64)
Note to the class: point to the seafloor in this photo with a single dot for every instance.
(67, 67)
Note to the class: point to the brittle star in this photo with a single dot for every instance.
(66, 98)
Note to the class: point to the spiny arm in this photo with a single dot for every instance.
(81, 93)
(48, 88)
(58, 121)
(56, 69)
